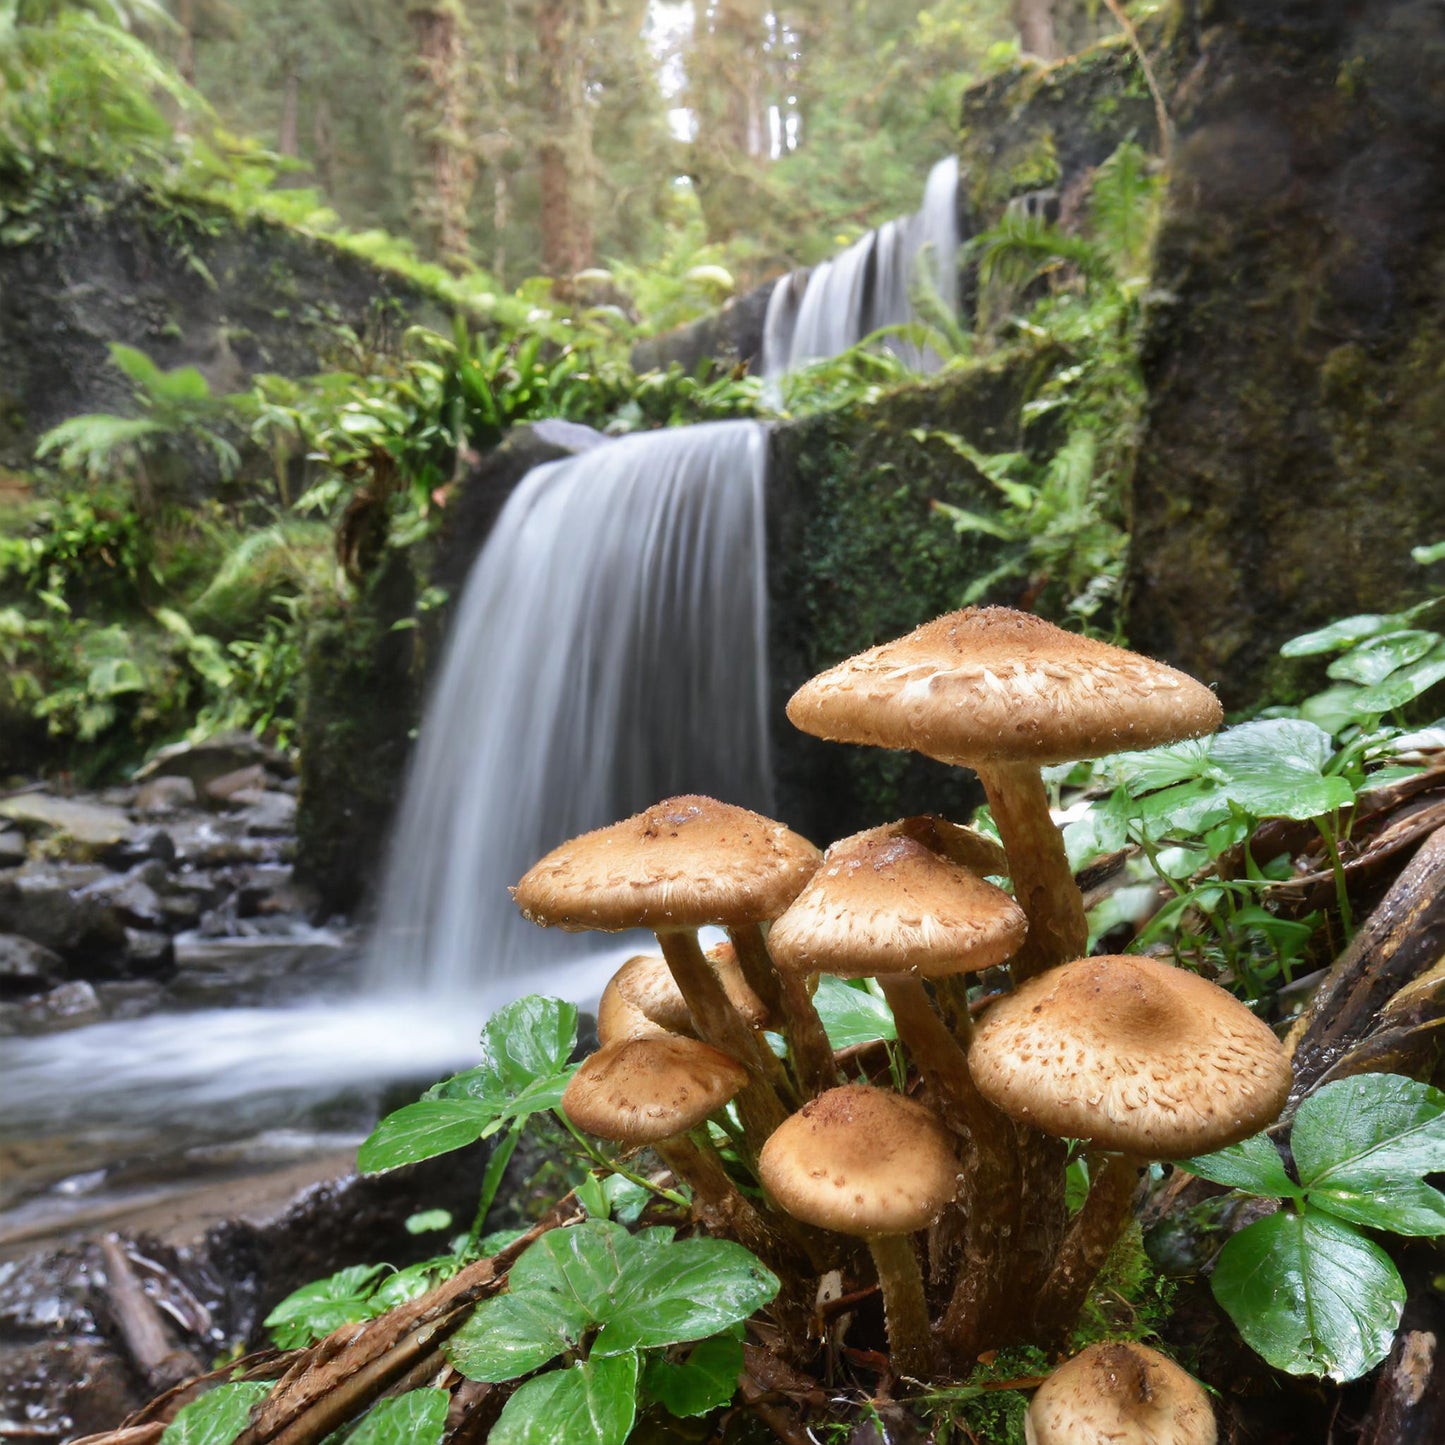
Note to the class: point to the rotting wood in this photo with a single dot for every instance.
(1403, 939)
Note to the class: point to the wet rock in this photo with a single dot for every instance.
(27, 967)
(203, 843)
(269, 813)
(132, 998)
(12, 847)
(44, 902)
(226, 788)
(165, 794)
(204, 762)
(142, 844)
(72, 828)
(61, 1008)
(130, 897)
(148, 953)
(69, 1387)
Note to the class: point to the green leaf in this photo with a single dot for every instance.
(217, 1417)
(1253, 1165)
(705, 1381)
(593, 1197)
(1310, 1294)
(316, 1309)
(1404, 686)
(1344, 633)
(426, 1221)
(518, 1332)
(1274, 769)
(422, 1131)
(683, 1290)
(852, 1015)
(413, 1282)
(1425, 556)
(418, 1417)
(594, 1402)
(1361, 1146)
(1374, 660)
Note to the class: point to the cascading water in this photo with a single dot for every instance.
(608, 650)
(870, 285)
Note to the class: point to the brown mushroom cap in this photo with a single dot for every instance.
(1120, 1394)
(861, 1161)
(965, 846)
(643, 1090)
(682, 863)
(642, 998)
(882, 905)
(991, 684)
(1132, 1054)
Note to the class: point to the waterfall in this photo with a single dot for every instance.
(869, 285)
(609, 649)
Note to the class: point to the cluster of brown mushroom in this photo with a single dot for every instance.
(1139, 1060)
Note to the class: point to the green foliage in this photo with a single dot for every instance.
(217, 1417)
(853, 1013)
(418, 1417)
(1305, 1287)
(180, 416)
(1062, 497)
(1187, 808)
(608, 1304)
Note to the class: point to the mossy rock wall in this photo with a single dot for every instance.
(183, 281)
(856, 555)
(1295, 356)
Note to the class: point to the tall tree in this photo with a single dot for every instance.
(564, 31)
(438, 118)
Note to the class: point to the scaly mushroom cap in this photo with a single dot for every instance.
(861, 1161)
(991, 684)
(682, 863)
(964, 846)
(642, 1090)
(890, 905)
(1120, 1394)
(1133, 1054)
(642, 998)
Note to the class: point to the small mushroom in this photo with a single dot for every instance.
(869, 1163)
(659, 1091)
(1120, 1394)
(643, 998)
(683, 863)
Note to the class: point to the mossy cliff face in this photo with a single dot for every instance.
(1295, 358)
(856, 556)
(185, 282)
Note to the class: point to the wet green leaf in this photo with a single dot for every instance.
(1373, 661)
(1344, 633)
(705, 1381)
(1405, 685)
(423, 1130)
(1275, 769)
(1310, 1294)
(593, 1402)
(326, 1304)
(1253, 1165)
(515, 1333)
(418, 1417)
(852, 1015)
(217, 1417)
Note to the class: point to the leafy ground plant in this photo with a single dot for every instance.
(1307, 1287)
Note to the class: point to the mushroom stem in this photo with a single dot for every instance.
(719, 1203)
(905, 1312)
(988, 1196)
(719, 1024)
(1092, 1234)
(808, 1045)
(1043, 882)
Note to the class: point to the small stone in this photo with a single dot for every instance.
(71, 1003)
(141, 844)
(12, 847)
(269, 813)
(225, 788)
(147, 953)
(166, 794)
(27, 967)
(74, 829)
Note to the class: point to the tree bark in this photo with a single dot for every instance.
(438, 117)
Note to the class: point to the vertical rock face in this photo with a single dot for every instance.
(1296, 357)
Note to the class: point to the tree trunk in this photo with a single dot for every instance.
(1035, 21)
(437, 116)
(566, 147)
(290, 110)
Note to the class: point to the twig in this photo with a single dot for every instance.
(1160, 113)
